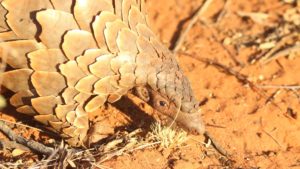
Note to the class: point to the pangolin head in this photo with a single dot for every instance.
(169, 92)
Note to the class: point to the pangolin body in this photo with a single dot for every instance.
(70, 57)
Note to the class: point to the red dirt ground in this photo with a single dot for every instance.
(256, 132)
(257, 126)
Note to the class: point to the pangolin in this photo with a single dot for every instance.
(67, 58)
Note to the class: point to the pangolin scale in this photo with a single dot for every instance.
(68, 58)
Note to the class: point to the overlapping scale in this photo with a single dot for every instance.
(72, 72)
(144, 31)
(86, 84)
(145, 47)
(82, 97)
(21, 98)
(89, 57)
(113, 97)
(95, 103)
(65, 6)
(14, 52)
(48, 83)
(69, 94)
(121, 59)
(127, 41)
(17, 80)
(106, 85)
(85, 17)
(44, 119)
(62, 110)
(54, 25)
(45, 105)
(26, 109)
(20, 13)
(135, 17)
(99, 26)
(126, 5)
(75, 55)
(3, 24)
(84, 40)
(111, 32)
(56, 125)
(46, 59)
(102, 68)
(127, 75)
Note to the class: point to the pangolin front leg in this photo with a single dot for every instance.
(70, 57)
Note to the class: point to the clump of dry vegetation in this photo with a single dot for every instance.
(166, 136)
(121, 143)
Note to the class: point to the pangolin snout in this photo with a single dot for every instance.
(191, 121)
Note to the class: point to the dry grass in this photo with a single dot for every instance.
(120, 144)
(168, 137)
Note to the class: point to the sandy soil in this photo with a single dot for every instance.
(253, 124)
(258, 126)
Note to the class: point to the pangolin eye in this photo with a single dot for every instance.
(162, 103)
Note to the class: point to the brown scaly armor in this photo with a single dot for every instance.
(69, 57)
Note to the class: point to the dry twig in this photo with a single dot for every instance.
(288, 87)
(240, 77)
(224, 11)
(20, 124)
(35, 146)
(182, 37)
(280, 49)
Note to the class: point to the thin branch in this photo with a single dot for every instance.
(240, 77)
(282, 47)
(223, 12)
(283, 52)
(216, 126)
(183, 35)
(20, 124)
(6, 144)
(272, 138)
(35, 146)
(289, 87)
(272, 97)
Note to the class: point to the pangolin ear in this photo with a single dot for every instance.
(142, 92)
